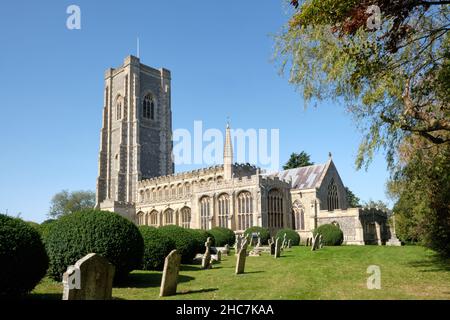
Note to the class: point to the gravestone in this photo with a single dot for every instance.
(217, 257)
(277, 248)
(272, 247)
(284, 245)
(170, 274)
(227, 250)
(315, 241)
(238, 244)
(259, 241)
(206, 261)
(241, 256)
(90, 278)
(289, 244)
(320, 242)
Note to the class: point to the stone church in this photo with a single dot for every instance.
(136, 174)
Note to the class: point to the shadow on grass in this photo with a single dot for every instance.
(147, 280)
(43, 296)
(434, 264)
(250, 272)
(197, 291)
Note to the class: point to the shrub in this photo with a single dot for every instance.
(44, 228)
(185, 241)
(157, 246)
(223, 236)
(290, 235)
(106, 233)
(332, 235)
(263, 233)
(201, 236)
(23, 260)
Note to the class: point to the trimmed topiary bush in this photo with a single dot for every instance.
(157, 247)
(23, 260)
(223, 236)
(185, 241)
(264, 233)
(290, 235)
(332, 235)
(106, 233)
(201, 236)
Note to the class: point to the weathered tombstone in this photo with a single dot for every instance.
(242, 255)
(206, 261)
(170, 274)
(289, 244)
(259, 241)
(238, 244)
(227, 250)
(90, 278)
(217, 257)
(284, 245)
(315, 241)
(277, 248)
(320, 242)
(272, 247)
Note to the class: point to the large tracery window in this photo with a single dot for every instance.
(185, 217)
(275, 209)
(141, 218)
(168, 217)
(245, 210)
(154, 218)
(148, 107)
(299, 216)
(205, 212)
(224, 210)
(332, 199)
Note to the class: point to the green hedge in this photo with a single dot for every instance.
(23, 260)
(106, 233)
(264, 233)
(201, 236)
(157, 246)
(223, 236)
(185, 240)
(332, 235)
(290, 235)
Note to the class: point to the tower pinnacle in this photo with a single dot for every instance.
(228, 154)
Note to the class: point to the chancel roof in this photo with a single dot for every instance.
(305, 177)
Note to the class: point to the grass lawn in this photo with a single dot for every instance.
(409, 272)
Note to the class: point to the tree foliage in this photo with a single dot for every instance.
(298, 160)
(66, 202)
(352, 199)
(394, 79)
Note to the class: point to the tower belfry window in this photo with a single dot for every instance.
(119, 110)
(148, 107)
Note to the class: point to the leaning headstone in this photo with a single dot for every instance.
(284, 245)
(242, 255)
(227, 249)
(272, 247)
(277, 248)
(170, 274)
(320, 242)
(90, 278)
(217, 257)
(315, 241)
(206, 261)
(289, 244)
(258, 244)
(238, 244)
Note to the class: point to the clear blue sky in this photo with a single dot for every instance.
(219, 53)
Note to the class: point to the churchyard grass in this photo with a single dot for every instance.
(409, 272)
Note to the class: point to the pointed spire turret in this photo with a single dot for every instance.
(228, 154)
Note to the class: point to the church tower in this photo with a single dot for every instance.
(136, 135)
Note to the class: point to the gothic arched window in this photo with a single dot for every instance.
(245, 210)
(168, 217)
(224, 210)
(185, 217)
(148, 107)
(332, 198)
(299, 216)
(205, 212)
(275, 209)
(119, 109)
(154, 218)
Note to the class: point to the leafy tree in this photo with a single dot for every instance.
(65, 202)
(422, 191)
(376, 204)
(298, 160)
(352, 199)
(394, 77)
